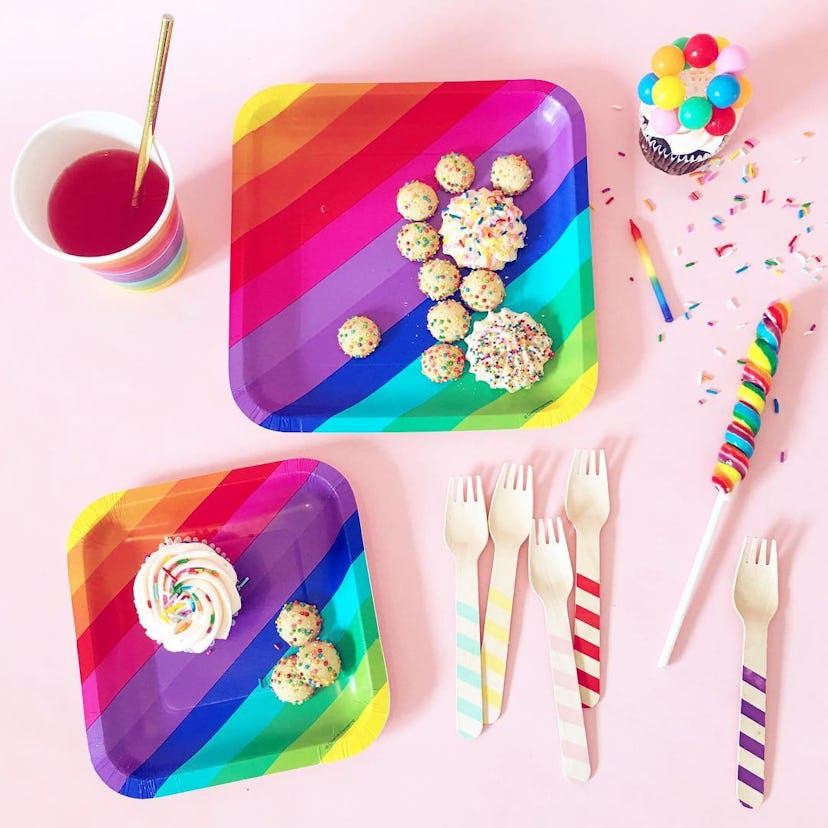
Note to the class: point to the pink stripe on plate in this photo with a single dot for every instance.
(354, 229)
(569, 681)
(134, 649)
(560, 645)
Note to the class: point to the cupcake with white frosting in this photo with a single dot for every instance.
(186, 595)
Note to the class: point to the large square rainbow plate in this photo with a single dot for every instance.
(159, 723)
(316, 170)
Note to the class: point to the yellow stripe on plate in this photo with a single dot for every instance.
(364, 730)
(496, 632)
(266, 105)
(574, 399)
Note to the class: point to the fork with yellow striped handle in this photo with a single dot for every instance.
(466, 535)
(510, 518)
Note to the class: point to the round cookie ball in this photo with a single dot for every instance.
(416, 201)
(448, 321)
(511, 174)
(482, 290)
(438, 279)
(286, 683)
(358, 336)
(442, 362)
(418, 241)
(454, 172)
(318, 663)
(298, 623)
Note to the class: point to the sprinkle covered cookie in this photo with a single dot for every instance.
(418, 241)
(416, 201)
(358, 336)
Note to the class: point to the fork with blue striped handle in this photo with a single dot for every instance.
(756, 597)
(466, 535)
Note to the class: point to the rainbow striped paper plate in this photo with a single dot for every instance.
(316, 169)
(160, 723)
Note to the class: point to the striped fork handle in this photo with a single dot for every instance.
(587, 627)
(750, 784)
(468, 681)
(496, 630)
(568, 706)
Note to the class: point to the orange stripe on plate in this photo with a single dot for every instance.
(125, 557)
(95, 544)
(347, 135)
(281, 136)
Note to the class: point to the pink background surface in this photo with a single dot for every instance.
(105, 390)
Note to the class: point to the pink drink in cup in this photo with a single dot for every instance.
(88, 159)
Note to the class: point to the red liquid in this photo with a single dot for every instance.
(90, 207)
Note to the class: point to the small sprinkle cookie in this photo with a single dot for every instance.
(318, 663)
(418, 241)
(442, 362)
(482, 290)
(439, 278)
(416, 201)
(358, 336)
(511, 174)
(454, 172)
(298, 623)
(286, 683)
(448, 321)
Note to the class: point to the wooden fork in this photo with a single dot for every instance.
(550, 574)
(466, 535)
(756, 597)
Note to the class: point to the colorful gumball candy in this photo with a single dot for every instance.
(668, 60)
(721, 121)
(745, 94)
(701, 50)
(664, 121)
(668, 93)
(724, 90)
(721, 42)
(733, 60)
(645, 88)
(681, 42)
(695, 112)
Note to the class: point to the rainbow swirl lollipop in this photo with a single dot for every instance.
(762, 361)
(739, 443)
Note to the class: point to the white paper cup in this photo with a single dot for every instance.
(154, 261)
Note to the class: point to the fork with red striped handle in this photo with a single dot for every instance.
(756, 597)
(587, 507)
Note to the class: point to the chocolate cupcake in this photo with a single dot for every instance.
(692, 102)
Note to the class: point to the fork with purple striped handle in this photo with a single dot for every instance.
(756, 597)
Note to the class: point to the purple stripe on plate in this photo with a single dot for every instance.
(122, 726)
(751, 745)
(745, 804)
(754, 679)
(281, 346)
(751, 780)
(753, 712)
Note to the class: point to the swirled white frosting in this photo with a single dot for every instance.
(186, 596)
(687, 141)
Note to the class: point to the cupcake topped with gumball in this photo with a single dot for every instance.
(691, 102)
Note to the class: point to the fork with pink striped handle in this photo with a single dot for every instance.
(587, 507)
(550, 574)
(756, 597)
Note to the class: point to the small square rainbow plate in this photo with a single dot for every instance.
(160, 723)
(316, 170)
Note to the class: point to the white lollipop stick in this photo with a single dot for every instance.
(692, 580)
